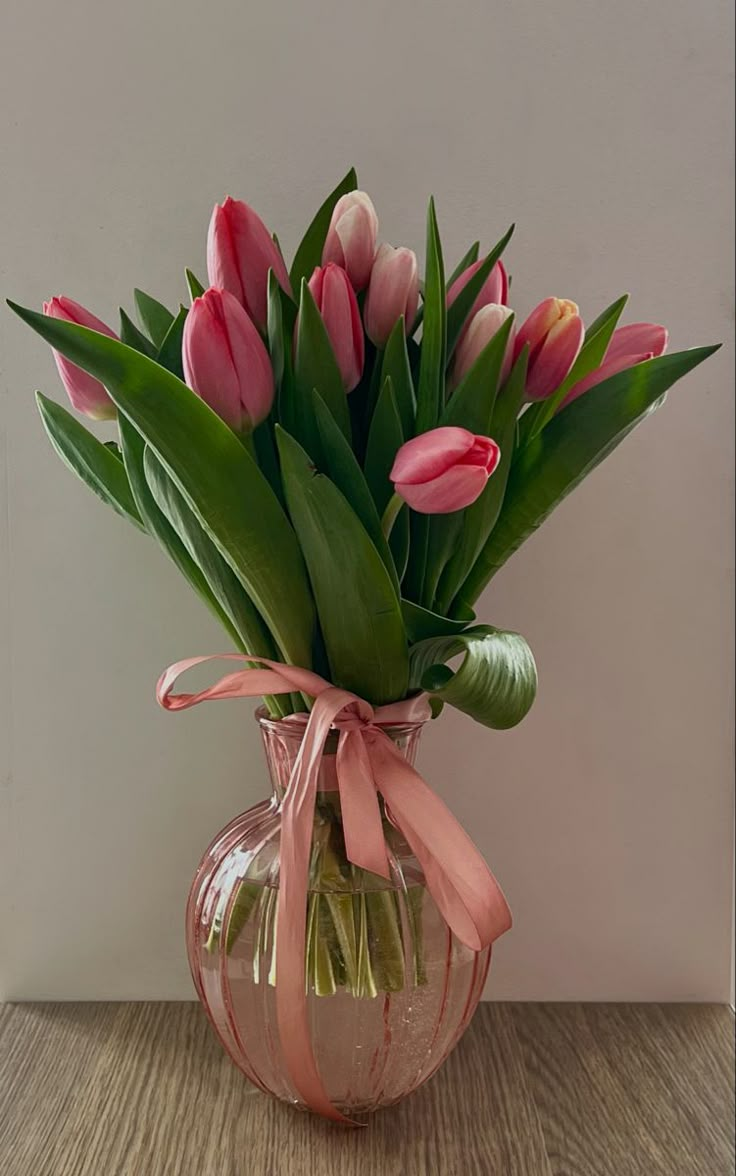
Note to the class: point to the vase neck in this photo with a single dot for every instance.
(282, 740)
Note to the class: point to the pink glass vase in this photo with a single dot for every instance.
(390, 990)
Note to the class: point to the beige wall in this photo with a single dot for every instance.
(602, 129)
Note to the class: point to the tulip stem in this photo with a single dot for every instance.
(391, 514)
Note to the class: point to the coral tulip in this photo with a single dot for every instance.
(629, 345)
(351, 237)
(330, 287)
(482, 327)
(554, 331)
(226, 362)
(393, 291)
(444, 470)
(85, 392)
(240, 252)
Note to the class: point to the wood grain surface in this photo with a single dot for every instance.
(532, 1090)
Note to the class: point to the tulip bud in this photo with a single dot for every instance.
(85, 392)
(629, 345)
(481, 329)
(393, 291)
(554, 332)
(240, 252)
(330, 287)
(444, 470)
(225, 360)
(494, 290)
(351, 237)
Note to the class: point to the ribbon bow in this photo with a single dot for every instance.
(368, 762)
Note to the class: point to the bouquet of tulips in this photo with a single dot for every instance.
(338, 456)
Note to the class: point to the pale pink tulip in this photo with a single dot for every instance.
(444, 470)
(351, 237)
(629, 345)
(330, 287)
(494, 290)
(554, 331)
(393, 291)
(85, 392)
(240, 252)
(225, 360)
(482, 327)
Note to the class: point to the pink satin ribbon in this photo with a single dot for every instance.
(368, 762)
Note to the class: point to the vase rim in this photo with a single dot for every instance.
(286, 725)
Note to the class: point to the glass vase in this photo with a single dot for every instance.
(389, 988)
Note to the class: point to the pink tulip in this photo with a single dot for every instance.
(494, 290)
(336, 302)
(393, 291)
(444, 470)
(482, 327)
(225, 360)
(554, 332)
(85, 392)
(351, 237)
(637, 338)
(240, 252)
(629, 345)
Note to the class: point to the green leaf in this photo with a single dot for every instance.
(341, 466)
(132, 337)
(421, 623)
(309, 253)
(385, 438)
(220, 481)
(592, 353)
(398, 542)
(480, 518)
(572, 445)
(395, 365)
(315, 365)
(471, 404)
(133, 447)
(155, 319)
(169, 355)
(458, 313)
(90, 459)
(194, 286)
(222, 581)
(496, 682)
(358, 608)
(431, 388)
(467, 259)
(469, 407)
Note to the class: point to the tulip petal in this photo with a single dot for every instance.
(637, 339)
(453, 490)
(610, 368)
(430, 454)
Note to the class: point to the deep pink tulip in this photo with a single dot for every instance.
(495, 289)
(351, 237)
(482, 327)
(554, 332)
(444, 470)
(629, 345)
(225, 360)
(336, 302)
(86, 393)
(393, 291)
(240, 252)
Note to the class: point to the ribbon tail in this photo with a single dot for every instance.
(361, 815)
(297, 817)
(466, 892)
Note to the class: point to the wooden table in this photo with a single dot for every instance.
(532, 1090)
